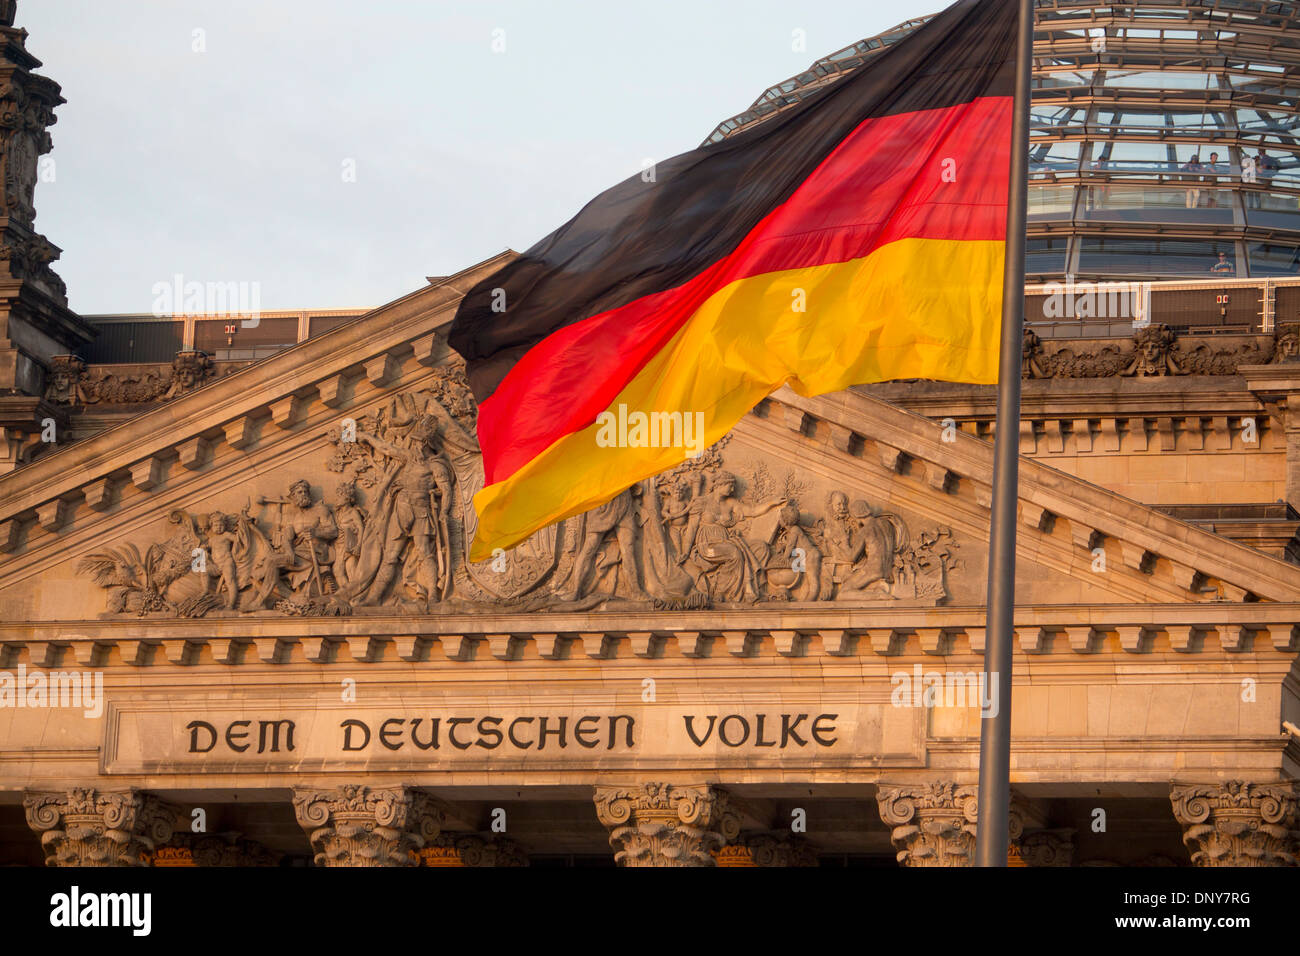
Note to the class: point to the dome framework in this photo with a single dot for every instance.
(1164, 142)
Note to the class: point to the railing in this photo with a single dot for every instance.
(1204, 306)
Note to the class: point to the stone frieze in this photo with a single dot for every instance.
(393, 534)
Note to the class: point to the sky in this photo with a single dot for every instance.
(337, 152)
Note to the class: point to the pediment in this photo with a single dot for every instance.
(336, 478)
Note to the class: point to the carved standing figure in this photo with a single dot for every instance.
(617, 518)
(222, 540)
(676, 512)
(415, 532)
(351, 521)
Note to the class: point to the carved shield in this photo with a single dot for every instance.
(527, 566)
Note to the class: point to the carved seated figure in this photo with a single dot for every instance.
(861, 547)
(716, 553)
(303, 533)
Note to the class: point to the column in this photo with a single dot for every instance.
(88, 827)
(661, 824)
(934, 824)
(355, 825)
(1237, 823)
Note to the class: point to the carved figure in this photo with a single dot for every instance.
(715, 551)
(222, 541)
(351, 522)
(617, 518)
(1031, 351)
(1153, 348)
(189, 369)
(794, 567)
(412, 517)
(303, 531)
(676, 511)
(66, 384)
(1287, 347)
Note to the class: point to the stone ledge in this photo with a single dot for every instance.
(1115, 633)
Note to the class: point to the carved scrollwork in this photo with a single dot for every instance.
(87, 827)
(934, 825)
(1237, 823)
(660, 824)
(355, 825)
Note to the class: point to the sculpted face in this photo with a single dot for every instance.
(1289, 344)
(839, 504)
(347, 493)
(725, 484)
(300, 494)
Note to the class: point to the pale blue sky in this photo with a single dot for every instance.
(227, 165)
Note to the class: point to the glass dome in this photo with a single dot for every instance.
(1164, 137)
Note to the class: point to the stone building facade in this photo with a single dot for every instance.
(238, 625)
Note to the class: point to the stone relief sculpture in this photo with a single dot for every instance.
(1153, 349)
(72, 382)
(1156, 351)
(716, 531)
(714, 547)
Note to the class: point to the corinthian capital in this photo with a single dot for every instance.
(1237, 823)
(934, 824)
(88, 827)
(659, 824)
(355, 825)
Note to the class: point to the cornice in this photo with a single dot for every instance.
(1206, 395)
(1097, 632)
(1046, 493)
(391, 330)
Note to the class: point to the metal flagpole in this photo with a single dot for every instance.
(995, 729)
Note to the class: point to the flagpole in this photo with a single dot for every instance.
(992, 829)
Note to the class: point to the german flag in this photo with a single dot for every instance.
(856, 237)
